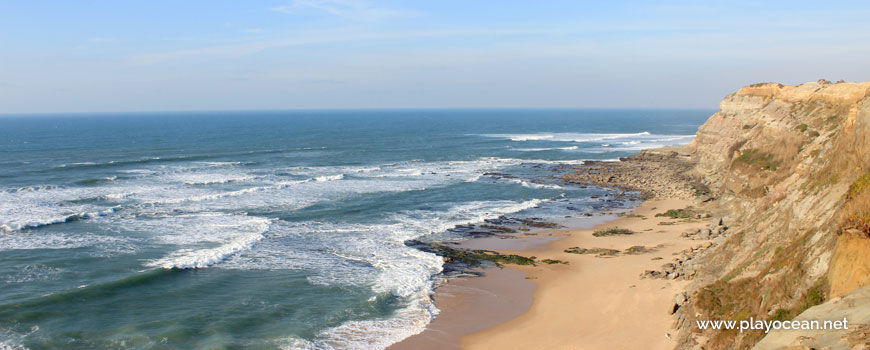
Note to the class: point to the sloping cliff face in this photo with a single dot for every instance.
(786, 168)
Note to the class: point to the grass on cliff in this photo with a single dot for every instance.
(859, 186)
(612, 231)
(812, 297)
(767, 294)
(763, 84)
(856, 211)
(756, 158)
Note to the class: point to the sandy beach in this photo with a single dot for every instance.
(590, 303)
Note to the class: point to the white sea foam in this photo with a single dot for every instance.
(374, 334)
(205, 239)
(645, 143)
(215, 179)
(17, 218)
(36, 206)
(612, 142)
(10, 340)
(201, 258)
(569, 148)
(28, 241)
(137, 171)
(30, 273)
(329, 177)
(76, 164)
(528, 184)
(369, 255)
(566, 137)
(524, 137)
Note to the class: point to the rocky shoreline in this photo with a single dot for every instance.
(462, 261)
(657, 173)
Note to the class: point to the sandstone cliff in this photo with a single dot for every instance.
(785, 167)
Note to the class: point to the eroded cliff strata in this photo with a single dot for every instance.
(782, 163)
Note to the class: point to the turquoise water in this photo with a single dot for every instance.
(270, 230)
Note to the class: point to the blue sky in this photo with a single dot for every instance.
(80, 56)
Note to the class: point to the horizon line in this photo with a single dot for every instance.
(349, 109)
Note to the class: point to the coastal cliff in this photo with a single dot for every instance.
(786, 168)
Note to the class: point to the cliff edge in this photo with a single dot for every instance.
(788, 170)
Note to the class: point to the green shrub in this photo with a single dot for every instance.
(861, 184)
(802, 127)
(781, 315)
(678, 213)
(761, 159)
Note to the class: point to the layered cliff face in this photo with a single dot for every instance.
(786, 168)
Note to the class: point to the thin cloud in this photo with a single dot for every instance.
(348, 9)
(253, 30)
(244, 49)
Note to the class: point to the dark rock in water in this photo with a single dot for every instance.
(539, 224)
(500, 229)
(479, 234)
(499, 175)
(571, 208)
(500, 222)
(457, 259)
(413, 243)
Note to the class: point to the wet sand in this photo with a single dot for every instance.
(473, 304)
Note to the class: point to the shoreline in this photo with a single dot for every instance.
(590, 303)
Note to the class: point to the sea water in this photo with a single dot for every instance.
(271, 230)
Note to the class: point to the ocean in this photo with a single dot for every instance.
(272, 229)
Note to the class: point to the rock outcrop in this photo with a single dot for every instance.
(657, 173)
(854, 334)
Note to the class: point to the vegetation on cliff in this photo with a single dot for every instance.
(856, 212)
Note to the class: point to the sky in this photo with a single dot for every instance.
(164, 55)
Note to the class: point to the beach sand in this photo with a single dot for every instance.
(590, 303)
(473, 304)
